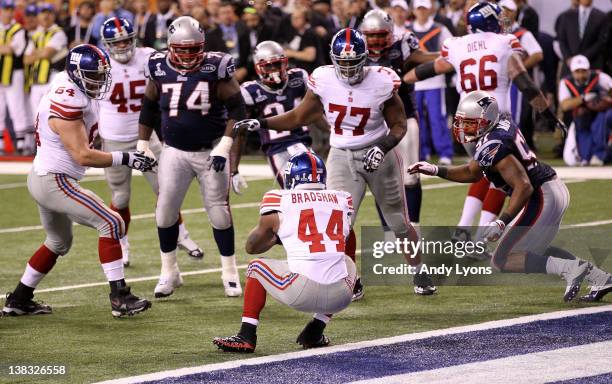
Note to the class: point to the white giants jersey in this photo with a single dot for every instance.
(120, 108)
(313, 227)
(355, 112)
(63, 100)
(481, 63)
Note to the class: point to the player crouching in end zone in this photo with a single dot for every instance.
(363, 106)
(538, 199)
(311, 222)
(66, 125)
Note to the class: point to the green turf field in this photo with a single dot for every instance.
(177, 332)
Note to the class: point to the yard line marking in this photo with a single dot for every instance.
(358, 345)
(531, 368)
(255, 205)
(132, 280)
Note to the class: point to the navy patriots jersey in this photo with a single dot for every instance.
(192, 116)
(504, 140)
(262, 101)
(394, 58)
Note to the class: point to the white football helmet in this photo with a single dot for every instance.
(186, 43)
(271, 63)
(476, 115)
(377, 27)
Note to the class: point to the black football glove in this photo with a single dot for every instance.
(373, 158)
(139, 161)
(217, 163)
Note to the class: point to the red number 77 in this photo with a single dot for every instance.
(355, 111)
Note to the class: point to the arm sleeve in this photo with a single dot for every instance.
(444, 52)
(246, 95)
(227, 67)
(410, 43)
(314, 81)
(515, 45)
(271, 202)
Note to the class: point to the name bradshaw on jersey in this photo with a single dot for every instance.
(192, 115)
(355, 111)
(481, 63)
(65, 101)
(120, 108)
(504, 140)
(265, 102)
(304, 216)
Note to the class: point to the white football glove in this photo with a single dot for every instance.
(143, 146)
(250, 125)
(373, 158)
(238, 183)
(424, 168)
(493, 230)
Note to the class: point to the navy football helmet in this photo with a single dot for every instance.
(119, 38)
(484, 17)
(305, 170)
(349, 52)
(89, 69)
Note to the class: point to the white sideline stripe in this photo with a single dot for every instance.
(132, 280)
(239, 206)
(533, 368)
(359, 345)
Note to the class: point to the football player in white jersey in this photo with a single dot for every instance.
(311, 222)
(118, 126)
(489, 61)
(368, 120)
(66, 126)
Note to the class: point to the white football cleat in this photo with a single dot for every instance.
(167, 284)
(574, 278)
(186, 244)
(232, 286)
(125, 250)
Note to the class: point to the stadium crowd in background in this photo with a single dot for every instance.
(35, 38)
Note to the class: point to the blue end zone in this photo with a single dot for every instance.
(606, 378)
(420, 355)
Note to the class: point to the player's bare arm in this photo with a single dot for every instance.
(520, 77)
(420, 57)
(73, 135)
(395, 117)
(320, 124)
(429, 69)
(307, 112)
(229, 93)
(514, 174)
(263, 236)
(466, 173)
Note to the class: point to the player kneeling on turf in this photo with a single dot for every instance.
(538, 198)
(311, 222)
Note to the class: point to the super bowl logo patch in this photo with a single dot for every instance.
(159, 71)
(231, 69)
(487, 155)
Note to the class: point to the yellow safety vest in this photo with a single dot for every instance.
(40, 70)
(8, 63)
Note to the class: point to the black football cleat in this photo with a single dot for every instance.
(423, 285)
(312, 335)
(596, 293)
(15, 307)
(126, 304)
(235, 343)
(357, 290)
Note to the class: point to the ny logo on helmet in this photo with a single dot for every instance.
(75, 58)
(488, 10)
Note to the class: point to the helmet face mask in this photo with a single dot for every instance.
(271, 64)
(89, 68)
(377, 26)
(349, 53)
(119, 39)
(477, 114)
(186, 44)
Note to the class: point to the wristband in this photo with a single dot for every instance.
(505, 218)
(223, 147)
(442, 171)
(425, 71)
(263, 123)
(118, 158)
(387, 143)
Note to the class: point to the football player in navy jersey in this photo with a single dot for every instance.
(276, 91)
(538, 198)
(199, 100)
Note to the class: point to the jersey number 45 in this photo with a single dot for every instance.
(308, 232)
